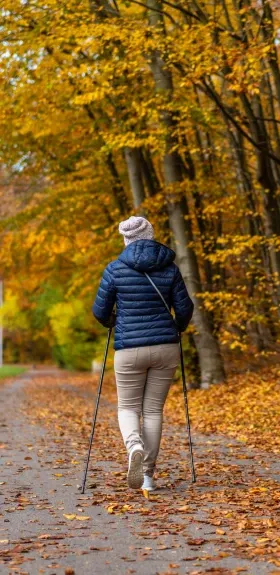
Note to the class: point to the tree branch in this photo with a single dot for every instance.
(225, 111)
(201, 18)
(157, 10)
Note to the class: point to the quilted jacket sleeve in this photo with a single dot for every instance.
(102, 307)
(181, 302)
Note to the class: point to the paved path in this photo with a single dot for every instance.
(48, 527)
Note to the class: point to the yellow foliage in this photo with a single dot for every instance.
(78, 89)
(61, 316)
(12, 316)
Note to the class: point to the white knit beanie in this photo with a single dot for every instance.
(136, 228)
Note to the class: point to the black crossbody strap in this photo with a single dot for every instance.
(159, 293)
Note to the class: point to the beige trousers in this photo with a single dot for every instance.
(143, 376)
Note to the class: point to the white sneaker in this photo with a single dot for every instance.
(149, 483)
(135, 473)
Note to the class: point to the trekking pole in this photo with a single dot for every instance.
(96, 409)
(187, 411)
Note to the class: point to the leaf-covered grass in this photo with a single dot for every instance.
(11, 371)
(247, 407)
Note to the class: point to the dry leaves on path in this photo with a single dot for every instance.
(239, 505)
(247, 407)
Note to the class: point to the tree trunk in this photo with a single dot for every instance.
(267, 27)
(210, 360)
(254, 220)
(117, 187)
(133, 163)
(149, 173)
(272, 113)
(265, 177)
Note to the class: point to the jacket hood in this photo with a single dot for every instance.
(147, 255)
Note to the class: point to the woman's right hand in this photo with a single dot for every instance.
(112, 320)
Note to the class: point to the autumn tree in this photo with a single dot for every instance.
(161, 108)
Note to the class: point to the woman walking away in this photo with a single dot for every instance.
(146, 339)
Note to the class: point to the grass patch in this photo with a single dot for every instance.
(11, 371)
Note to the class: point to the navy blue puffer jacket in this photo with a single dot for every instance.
(142, 319)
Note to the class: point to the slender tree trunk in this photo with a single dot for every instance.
(133, 163)
(208, 272)
(265, 174)
(104, 9)
(118, 189)
(149, 173)
(207, 169)
(255, 225)
(254, 111)
(267, 27)
(117, 186)
(266, 179)
(210, 360)
(272, 113)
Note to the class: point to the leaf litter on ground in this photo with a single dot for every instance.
(240, 505)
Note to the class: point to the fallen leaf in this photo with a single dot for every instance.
(183, 508)
(101, 548)
(111, 508)
(195, 541)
